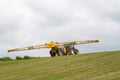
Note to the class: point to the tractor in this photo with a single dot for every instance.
(57, 48)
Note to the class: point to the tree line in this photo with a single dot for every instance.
(17, 58)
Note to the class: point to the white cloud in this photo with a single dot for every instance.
(27, 22)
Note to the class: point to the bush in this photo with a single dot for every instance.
(6, 59)
(18, 58)
(27, 57)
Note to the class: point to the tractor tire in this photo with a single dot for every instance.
(60, 53)
(76, 51)
(71, 52)
(52, 54)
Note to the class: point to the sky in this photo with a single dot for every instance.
(31, 22)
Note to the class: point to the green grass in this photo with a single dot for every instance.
(94, 66)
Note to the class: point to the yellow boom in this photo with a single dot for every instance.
(53, 45)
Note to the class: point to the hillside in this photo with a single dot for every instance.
(93, 66)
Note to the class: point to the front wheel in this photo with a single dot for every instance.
(52, 54)
(60, 53)
(71, 52)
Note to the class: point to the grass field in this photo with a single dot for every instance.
(93, 66)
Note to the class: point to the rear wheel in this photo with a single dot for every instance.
(76, 51)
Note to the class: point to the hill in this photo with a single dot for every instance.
(94, 66)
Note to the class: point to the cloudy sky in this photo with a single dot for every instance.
(29, 22)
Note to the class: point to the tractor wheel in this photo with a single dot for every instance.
(60, 53)
(76, 51)
(52, 54)
(71, 52)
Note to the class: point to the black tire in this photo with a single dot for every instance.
(76, 51)
(70, 52)
(52, 54)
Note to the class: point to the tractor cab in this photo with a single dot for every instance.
(71, 50)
